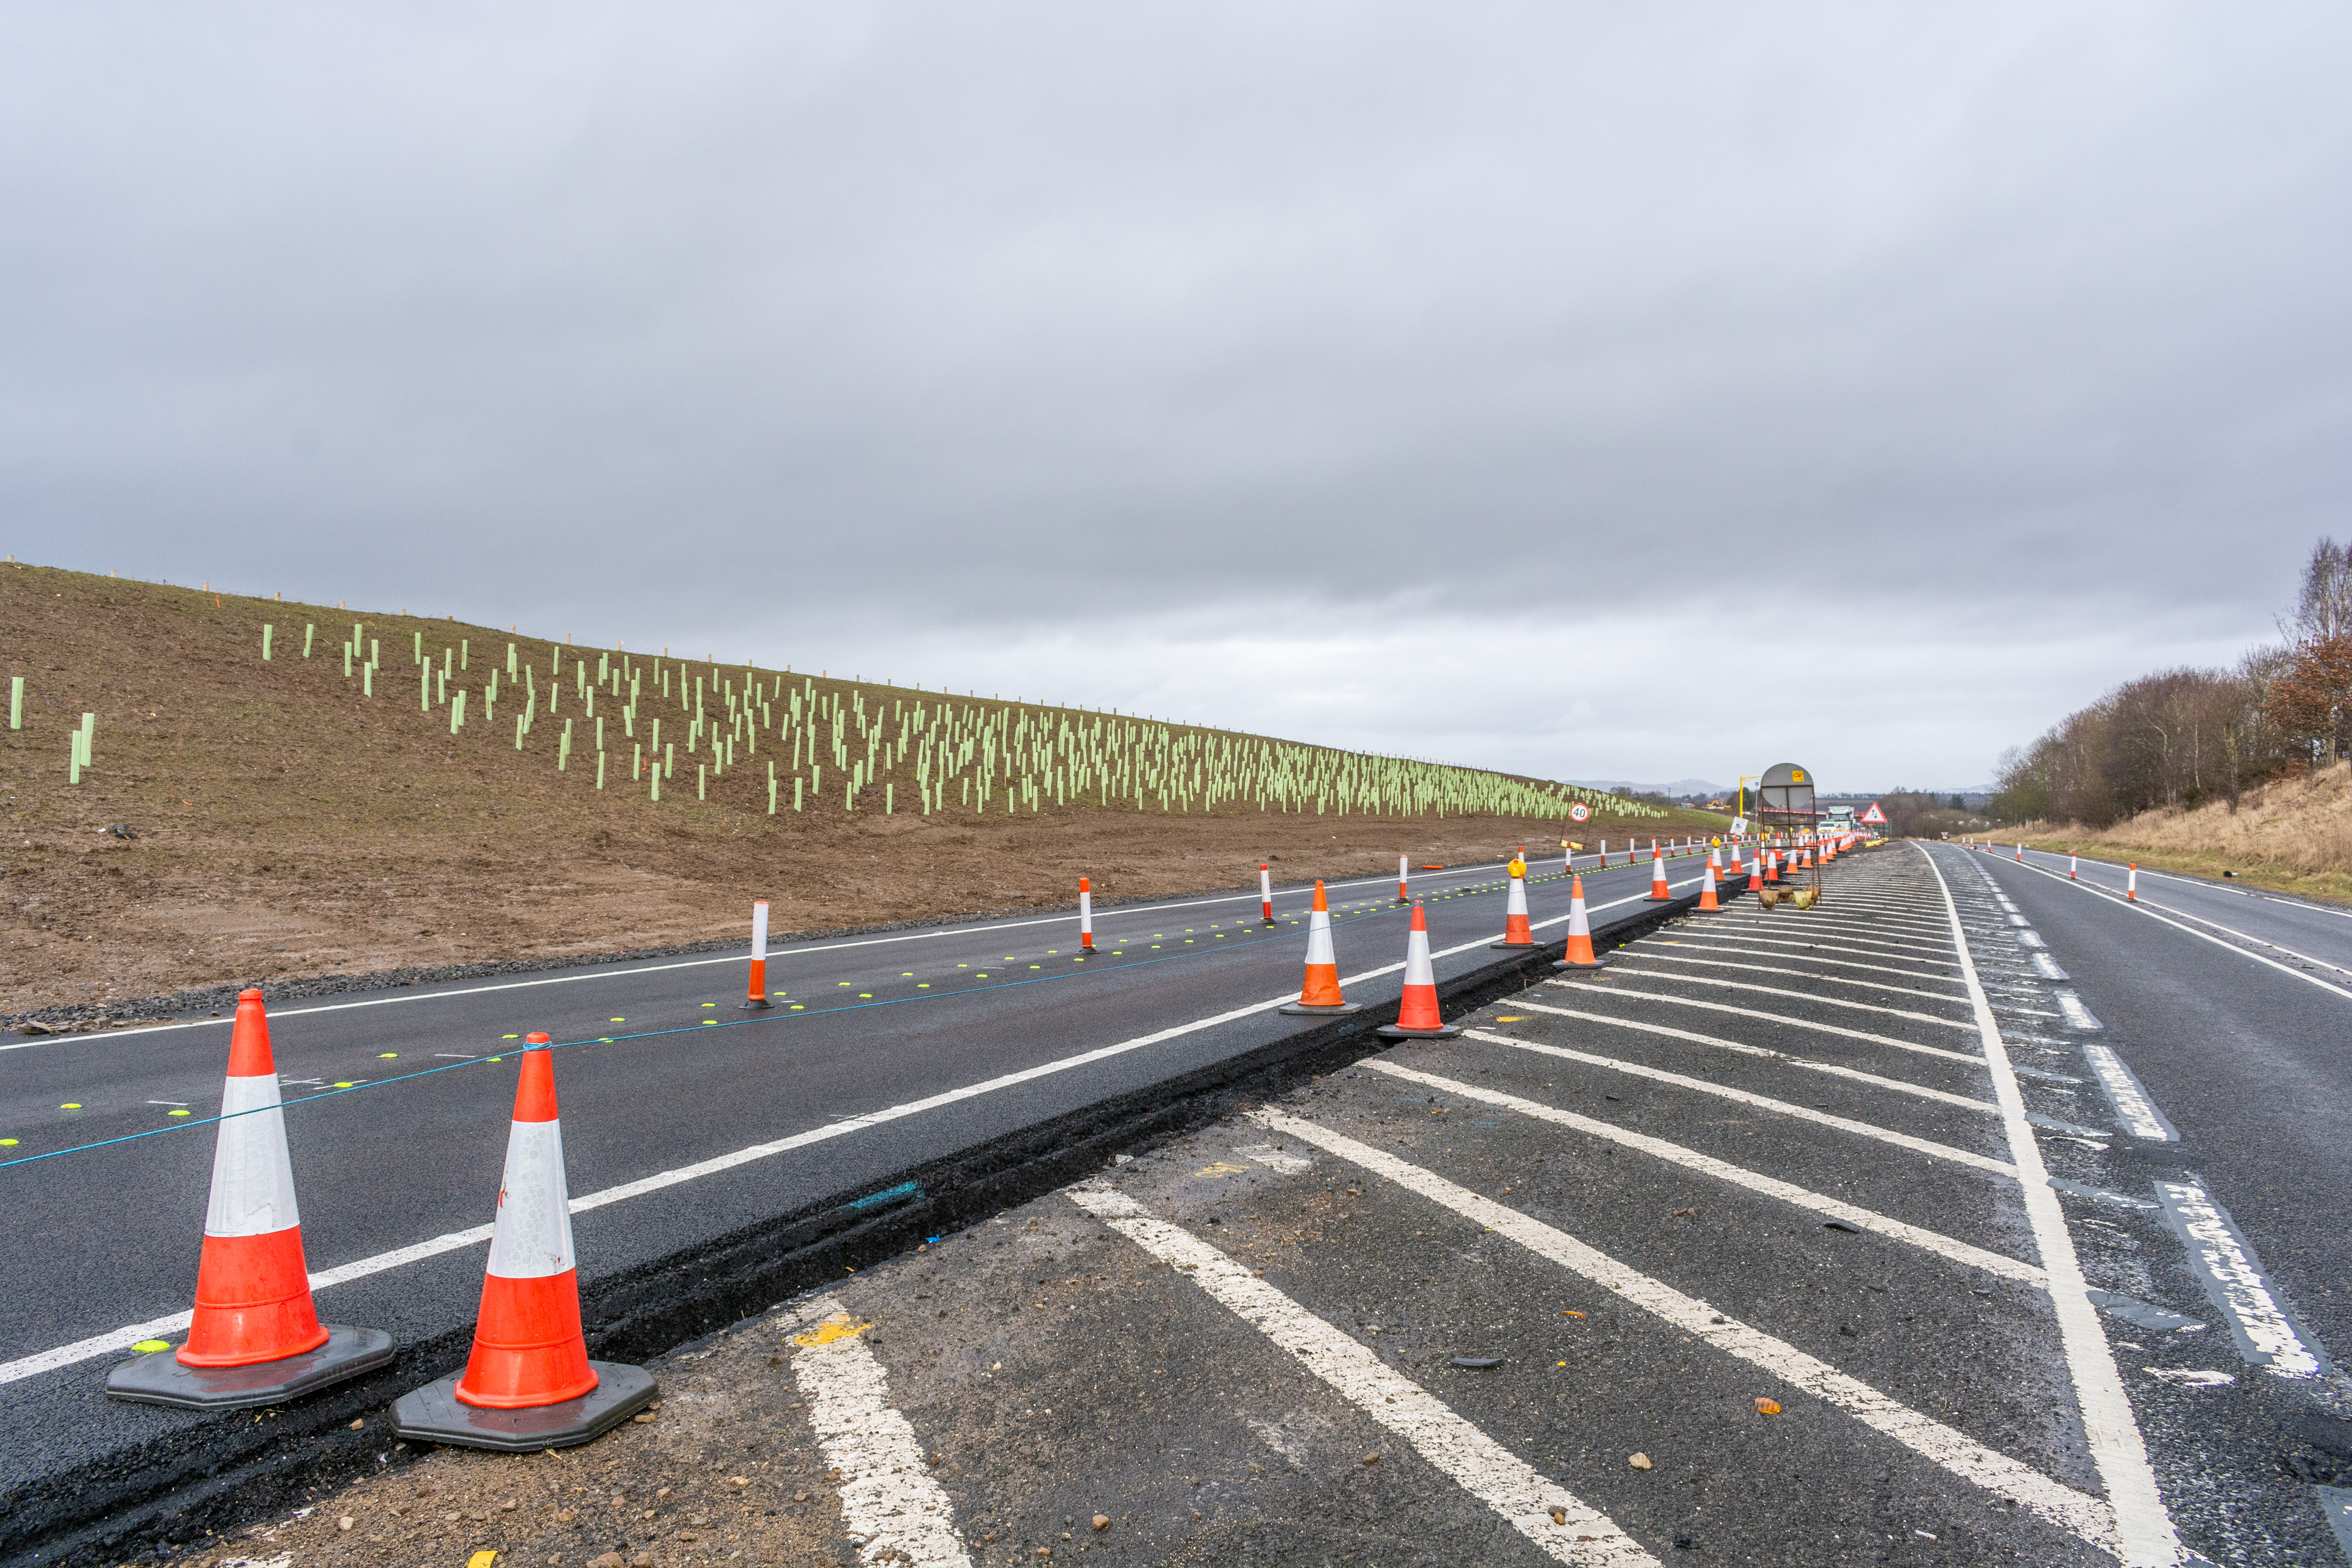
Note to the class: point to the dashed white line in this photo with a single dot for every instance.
(2224, 1263)
(2146, 1537)
(1957, 1453)
(1561, 1525)
(2134, 1107)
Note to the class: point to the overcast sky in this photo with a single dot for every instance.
(1590, 390)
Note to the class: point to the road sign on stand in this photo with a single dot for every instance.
(1874, 816)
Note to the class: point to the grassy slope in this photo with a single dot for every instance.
(288, 826)
(2294, 836)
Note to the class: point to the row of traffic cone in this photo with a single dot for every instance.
(255, 1337)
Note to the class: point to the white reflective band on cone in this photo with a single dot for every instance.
(759, 930)
(1319, 939)
(532, 1236)
(253, 1181)
(1418, 970)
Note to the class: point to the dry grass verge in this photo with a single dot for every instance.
(2291, 835)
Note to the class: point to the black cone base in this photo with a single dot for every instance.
(1514, 946)
(1308, 1010)
(1396, 1031)
(755, 1005)
(159, 1378)
(1563, 963)
(432, 1414)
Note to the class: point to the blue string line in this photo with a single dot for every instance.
(658, 1033)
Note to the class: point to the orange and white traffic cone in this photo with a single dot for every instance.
(2131, 883)
(1659, 891)
(529, 1383)
(1516, 930)
(1580, 931)
(1265, 894)
(1418, 1015)
(1706, 904)
(255, 1336)
(759, 979)
(1085, 914)
(1320, 994)
(1771, 864)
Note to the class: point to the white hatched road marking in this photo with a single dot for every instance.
(1850, 939)
(891, 1509)
(1718, 946)
(1561, 1525)
(1800, 996)
(1794, 1022)
(2147, 1538)
(1771, 1186)
(118, 1339)
(2267, 1335)
(1963, 1456)
(2134, 1108)
(1896, 1084)
(1724, 1091)
(1644, 951)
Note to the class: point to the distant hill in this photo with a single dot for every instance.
(1675, 790)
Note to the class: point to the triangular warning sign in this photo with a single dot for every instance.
(1873, 815)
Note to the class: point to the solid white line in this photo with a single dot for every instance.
(1649, 950)
(779, 955)
(1802, 997)
(1480, 1465)
(1793, 1023)
(1761, 1102)
(2142, 907)
(1961, 1455)
(1690, 1158)
(891, 1509)
(124, 1338)
(2263, 895)
(1783, 1058)
(1765, 952)
(2147, 1536)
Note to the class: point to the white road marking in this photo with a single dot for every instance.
(2143, 908)
(1800, 996)
(2147, 1538)
(1743, 1048)
(1648, 943)
(1479, 1464)
(1275, 1159)
(1769, 1017)
(2077, 1015)
(1723, 1091)
(1643, 950)
(2224, 1263)
(1690, 1158)
(1961, 1455)
(1847, 941)
(2191, 1377)
(891, 1509)
(122, 1339)
(2133, 1105)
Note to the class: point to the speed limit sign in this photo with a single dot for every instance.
(1579, 812)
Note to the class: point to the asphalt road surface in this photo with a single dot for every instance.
(686, 1118)
(1973, 1216)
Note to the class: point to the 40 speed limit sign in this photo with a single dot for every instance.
(1580, 812)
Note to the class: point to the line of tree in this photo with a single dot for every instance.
(2183, 737)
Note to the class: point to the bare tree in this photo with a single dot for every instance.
(2324, 607)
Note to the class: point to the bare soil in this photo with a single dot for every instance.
(285, 826)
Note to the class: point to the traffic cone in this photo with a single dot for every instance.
(255, 1336)
(759, 981)
(1706, 904)
(529, 1383)
(1418, 1017)
(2021, 854)
(1404, 891)
(2131, 883)
(1516, 934)
(1265, 894)
(1086, 915)
(1321, 992)
(1659, 891)
(1580, 931)
(1771, 864)
(2073, 864)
